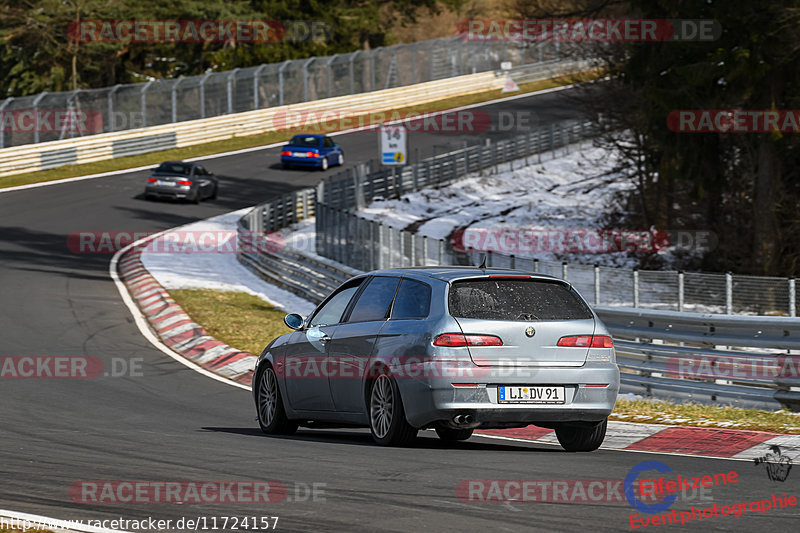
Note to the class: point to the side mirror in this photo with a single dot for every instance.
(294, 321)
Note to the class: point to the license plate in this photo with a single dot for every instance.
(167, 183)
(300, 154)
(523, 394)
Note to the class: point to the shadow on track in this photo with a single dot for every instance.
(424, 441)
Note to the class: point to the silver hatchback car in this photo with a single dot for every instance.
(448, 348)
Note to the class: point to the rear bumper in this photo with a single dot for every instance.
(302, 161)
(179, 192)
(431, 399)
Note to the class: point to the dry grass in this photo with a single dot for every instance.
(238, 319)
(693, 414)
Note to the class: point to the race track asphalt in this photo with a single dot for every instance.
(164, 422)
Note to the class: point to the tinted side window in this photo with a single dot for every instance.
(327, 143)
(413, 300)
(524, 300)
(374, 302)
(332, 311)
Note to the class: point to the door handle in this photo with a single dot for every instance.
(324, 338)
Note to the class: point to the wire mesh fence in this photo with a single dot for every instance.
(345, 236)
(53, 116)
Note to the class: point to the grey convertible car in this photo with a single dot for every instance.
(447, 348)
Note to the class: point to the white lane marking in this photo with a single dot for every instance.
(144, 326)
(44, 522)
(274, 145)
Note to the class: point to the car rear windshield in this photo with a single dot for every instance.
(174, 168)
(516, 299)
(306, 142)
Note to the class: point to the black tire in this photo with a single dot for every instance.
(286, 166)
(581, 438)
(148, 197)
(324, 164)
(271, 413)
(195, 198)
(452, 435)
(214, 193)
(387, 418)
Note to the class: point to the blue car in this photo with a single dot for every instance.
(310, 150)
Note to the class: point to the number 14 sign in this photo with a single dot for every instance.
(393, 145)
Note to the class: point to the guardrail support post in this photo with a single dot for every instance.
(728, 293)
(2, 129)
(280, 80)
(174, 96)
(424, 250)
(352, 72)
(680, 290)
(330, 74)
(230, 89)
(512, 261)
(36, 116)
(413, 249)
(256, 74)
(636, 287)
(203, 95)
(110, 102)
(144, 102)
(441, 252)
(792, 297)
(596, 284)
(305, 77)
(564, 270)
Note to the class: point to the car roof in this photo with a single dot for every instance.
(451, 273)
(316, 135)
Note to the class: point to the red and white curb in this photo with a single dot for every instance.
(169, 328)
(673, 440)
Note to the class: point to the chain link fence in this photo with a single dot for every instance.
(54, 116)
(346, 237)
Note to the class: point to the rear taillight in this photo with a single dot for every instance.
(313, 154)
(287, 153)
(151, 180)
(184, 182)
(458, 339)
(586, 341)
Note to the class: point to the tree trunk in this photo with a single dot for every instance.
(765, 216)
